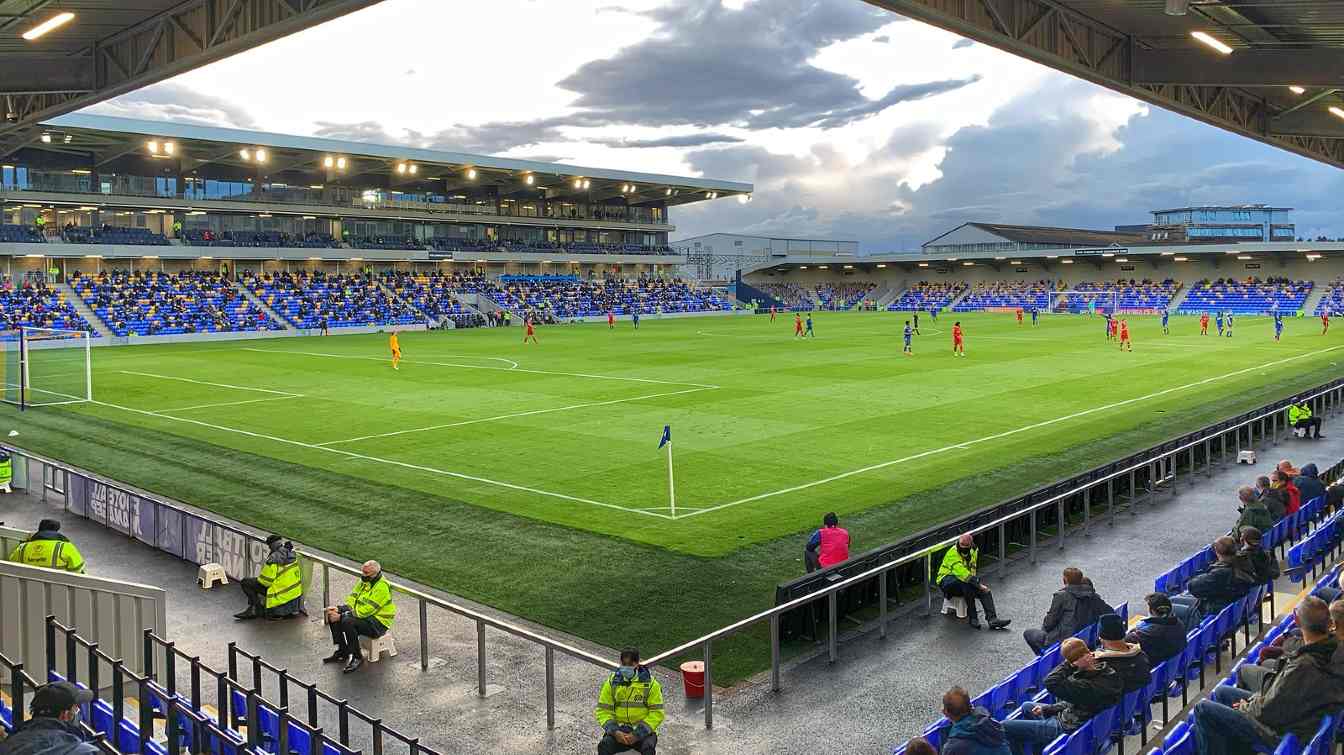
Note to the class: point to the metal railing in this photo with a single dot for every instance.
(242, 552)
(18, 683)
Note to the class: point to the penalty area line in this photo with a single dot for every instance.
(284, 394)
(996, 436)
(390, 462)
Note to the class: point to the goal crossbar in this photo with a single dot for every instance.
(47, 367)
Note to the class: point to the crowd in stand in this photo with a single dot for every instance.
(265, 239)
(1333, 300)
(319, 301)
(564, 297)
(433, 295)
(33, 305)
(925, 296)
(792, 295)
(156, 303)
(842, 296)
(110, 234)
(1129, 294)
(995, 294)
(1249, 296)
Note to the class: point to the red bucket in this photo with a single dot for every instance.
(693, 678)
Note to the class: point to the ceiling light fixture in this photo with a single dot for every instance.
(1337, 111)
(1211, 41)
(1295, 89)
(51, 24)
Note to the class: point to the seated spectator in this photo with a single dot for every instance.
(1334, 495)
(1258, 562)
(1283, 481)
(49, 548)
(1073, 608)
(1252, 512)
(1300, 416)
(54, 726)
(1308, 483)
(1252, 676)
(629, 708)
(368, 611)
(1223, 583)
(1083, 687)
(1161, 635)
(1274, 499)
(974, 731)
(277, 591)
(920, 746)
(1128, 660)
(828, 545)
(957, 579)
(1306, 688)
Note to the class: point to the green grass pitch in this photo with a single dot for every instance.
(524, 475)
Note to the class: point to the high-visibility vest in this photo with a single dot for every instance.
(283, 582)
(50, 551)
(954, 566)
(373, 599)
(637, 703)
(6, 470)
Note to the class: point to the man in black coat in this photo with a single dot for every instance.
(1083, 687)
(1128, 660)
(1224, 583)
(1255, 559)
(1073, 608)
(1161, 635)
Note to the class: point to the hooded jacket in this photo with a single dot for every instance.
(1276, 501)
(1131, 664)
(1220, 586)
(1254, 514)
(1259, 562)
(1309, 483)
(1161, 637)
(47, 736)
(1082, 694)
(1308, 686)
(1072, 609)
(976, 734)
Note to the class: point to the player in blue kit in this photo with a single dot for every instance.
(1166, 314)
(1035, 314)
(1278, 326)
(909, 332)
(1229, 324)
(1219, 320)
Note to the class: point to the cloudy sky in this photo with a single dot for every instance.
(851, 122)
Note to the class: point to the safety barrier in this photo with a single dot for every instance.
(198, 538)
(18, 684)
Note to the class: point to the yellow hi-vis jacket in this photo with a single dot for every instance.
(373, 599)
(6, 470)
(1297, 413)
(50, 550)
(954, 566)
(282, 576)
(636, 703)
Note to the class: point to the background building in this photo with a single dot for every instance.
(1249, 222)
(994, 238)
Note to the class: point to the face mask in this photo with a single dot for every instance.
(368, 578)
(626, 672)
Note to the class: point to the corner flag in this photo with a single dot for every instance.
(671, 484)
(667, 436)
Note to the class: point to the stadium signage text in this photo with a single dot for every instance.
(436, 254)
(1099, 252)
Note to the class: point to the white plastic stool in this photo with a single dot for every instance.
(373, 647)
(211, 574)
(955, 605)
(1300, 432)
(1246, 456)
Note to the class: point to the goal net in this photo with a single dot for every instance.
(1082, 301)
(46, 367)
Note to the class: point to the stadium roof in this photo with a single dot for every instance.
(1278, 82)
(1031, 234)
(107, 139)
(111, 47)
(1226, 207)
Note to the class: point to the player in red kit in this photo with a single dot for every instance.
(529, 331)
(1204, 324)
(958, 346)
(797, 325)
(772, 313)
(1325, 321)
(1125, 345)
(1019, 315)
(611, 319)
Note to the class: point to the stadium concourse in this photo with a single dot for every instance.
(878, 694)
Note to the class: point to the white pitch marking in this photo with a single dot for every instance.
(231, 403)
(484, 367)
(510, 416)
(286, 394)
(1006, 433)
(393, 462)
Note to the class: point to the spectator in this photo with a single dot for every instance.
(1274, 499)
(1258, 562)
(919, 746)
(6, 472)
(1073, 608)
(1300, 416)
(1219, 586)
(1083, 687)
(1334, 495)
(1252, 676)
(49, 548)
(1128, 660)
(1283, 481)
(828, 545)
(1307, 687)
(629, 708)
(957, 579)
(277, 591)
(1308, 483)
(974, 731)
(1160, 634)
(54, 727)
(368, 612)
(1252, 512)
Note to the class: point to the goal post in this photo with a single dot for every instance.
(47, 366)
(1079, 301)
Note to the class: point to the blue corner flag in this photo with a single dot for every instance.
(667, 436)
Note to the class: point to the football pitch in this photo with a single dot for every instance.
(490, 467)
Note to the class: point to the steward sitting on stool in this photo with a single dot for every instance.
(629, 708)
(957, 579)
(277, 592)
(1300, 416)
(368, 611)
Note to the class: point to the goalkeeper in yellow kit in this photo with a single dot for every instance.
(395, 345)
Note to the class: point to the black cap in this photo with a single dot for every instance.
(1111, 627)
(58, 697)
(273, 539)
(50, 525)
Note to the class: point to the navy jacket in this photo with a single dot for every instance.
(1309, 483)
(976, 734)
(47, 736)
(1219, 587)
(1161, 637)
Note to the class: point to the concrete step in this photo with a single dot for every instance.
(84, 310)
(263, 306)
(1317, 293)
(1179, 298)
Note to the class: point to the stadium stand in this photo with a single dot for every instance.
(432, 295)
(999, 294)
(793, 296)
(36, 306)
(149, 304)
(1333, 300)
(272, 239)
(108, 234)
(1144, 295)
(20, 234)
(305, 298)
(1249, 297)
(386, 242)
(842, 296)
(567, 296)
(924, 296)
